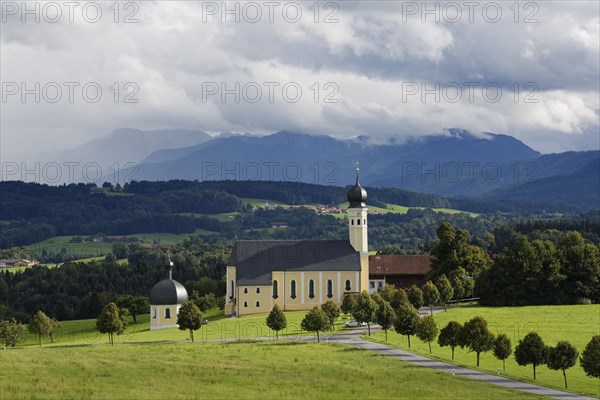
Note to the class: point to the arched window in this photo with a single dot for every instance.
(258, 304)
(153, 312)
(348, 285)
(364, 222)
(275, 290)
(232, 289)
(245, 304)
(358, 222)
(257, 290)
(245, 290)
(311, 289)
(329, 288)
(293, 289)
(351, 222)
(168, 313)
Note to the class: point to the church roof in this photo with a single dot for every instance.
(167, 292)
(256, 259)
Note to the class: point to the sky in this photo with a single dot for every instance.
(75, 71)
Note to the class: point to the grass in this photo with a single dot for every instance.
(248, 370)
(219, 327)
(223, 217)
(398, 209)
(56, 243)
(261, 202)
(576, 324)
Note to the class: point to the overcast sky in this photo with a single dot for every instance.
(355, 68)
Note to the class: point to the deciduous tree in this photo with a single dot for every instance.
(590, 358)
(446, 290)
(450, 336)
(431, 295)
(365, 309)
(11, 332)
(563, 356)
(315, 321)
(39, 325)
(531, 350)
(348, 304)
(415, 296)
(276, 320)
(406, 321)
(189, 317)
(502, 349)
(476, 336)
(332, 310)
(109, 321)
(385, 317)
(427, 330)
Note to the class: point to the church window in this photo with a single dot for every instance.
(245, 304)
(275, 289)
(168, 313)
(232, 288)
(311, 289)
(329, 288)
(154, 312)
(257, 290)
(358, 222)
(351, 222)
(245, 290)
(364, 222)
(258, 304)
(293, 289)
(348, 285)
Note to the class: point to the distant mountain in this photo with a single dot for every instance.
(127, 145)
(580, 188)
(323, 159)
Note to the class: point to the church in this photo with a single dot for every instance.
(298, 275)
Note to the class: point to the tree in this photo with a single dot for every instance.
(590, 358)
(531, 350)
(502, 349)
(427, 330)
(11, 332)
(388, 292)
(406, 321)
(431, 295)
(332, 310)
(189, 317)
(398, 298)
(450, 336)
(40, 325)
(109, 321)
(446, 290)
(476, 336)
(365, 310)
(315, 321)
(276, 320)
(415, 296)
(385, 317)
(54, 328)
(348, 304)
(460, 285)
(135, 305)
(563, 357)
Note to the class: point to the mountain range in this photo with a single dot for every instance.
(484, 166)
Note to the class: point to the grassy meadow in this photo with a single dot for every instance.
(576, 324)
(252, 370)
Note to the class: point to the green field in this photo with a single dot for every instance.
(252, 370)
(577, 324)
(398, 209)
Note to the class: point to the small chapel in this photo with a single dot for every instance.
(300, 274)
(166, 298)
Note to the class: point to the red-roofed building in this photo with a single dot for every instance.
(403, 271)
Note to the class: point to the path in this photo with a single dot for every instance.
(352, 338)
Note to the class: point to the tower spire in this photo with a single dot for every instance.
(357, 171)
(170, 265)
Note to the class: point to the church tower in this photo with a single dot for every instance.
(357, 228)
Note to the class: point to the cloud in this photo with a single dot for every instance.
(356, 64)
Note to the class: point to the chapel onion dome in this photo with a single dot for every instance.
(168, 291)
(357, 195)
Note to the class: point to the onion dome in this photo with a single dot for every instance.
(357, 195)
(168, 291)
